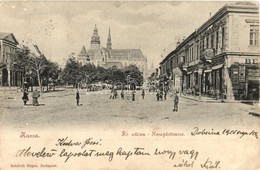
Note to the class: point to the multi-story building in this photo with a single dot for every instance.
(221, 57)
(108, 57)
(10, 75)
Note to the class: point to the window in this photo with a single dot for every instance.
(192, 54)
(254, 30)
(197, 51)
(207, 42)
(212, 41)
(217, 40)
(223, 36)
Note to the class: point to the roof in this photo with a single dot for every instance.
(127, 54)
(8, 37)
(3, 35)
(83, 52)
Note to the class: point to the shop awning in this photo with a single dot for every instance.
(207, 71)
(217, 67)
(177, 72)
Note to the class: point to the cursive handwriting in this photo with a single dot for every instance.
(210, 164)
(226, 132)
(66, 142)
(43, 153)
(90, 141)
(184, 164)
(196, 131)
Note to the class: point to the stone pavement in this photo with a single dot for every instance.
(255, 112)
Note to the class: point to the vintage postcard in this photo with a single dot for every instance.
(141, 85)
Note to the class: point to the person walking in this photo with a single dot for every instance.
(25, 97)
(158, 94)
(133, 95)
(143, 93)
(35, 96)
(161, 94)
(77, 97)
(165, 94)
(122, 94)
(176, 102)
(112, 95)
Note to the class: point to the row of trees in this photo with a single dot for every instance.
(36, 66)
(47, 72)
(74, 73)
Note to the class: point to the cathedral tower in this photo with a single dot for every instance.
(109, 43)
(95, 39)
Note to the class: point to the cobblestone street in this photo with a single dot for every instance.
(58, 109)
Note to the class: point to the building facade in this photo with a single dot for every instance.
(108, 57)
(221, 57)
(10, 74)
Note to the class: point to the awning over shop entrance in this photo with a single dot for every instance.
(176, 72)
(217, 67)
(207, 71)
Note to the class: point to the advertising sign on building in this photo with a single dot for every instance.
(242, 74)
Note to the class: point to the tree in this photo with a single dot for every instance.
(50, 74)
(71, 72)
(116, 75)
(134, 73)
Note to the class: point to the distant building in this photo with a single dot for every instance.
(221, 57)
(108, 57)
(10, 74)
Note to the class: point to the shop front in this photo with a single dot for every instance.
(244, 76)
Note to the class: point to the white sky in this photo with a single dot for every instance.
(60, 28)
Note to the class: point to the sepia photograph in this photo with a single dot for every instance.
(131, 85)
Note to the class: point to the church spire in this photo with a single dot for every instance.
(95, 39)
(109, 43)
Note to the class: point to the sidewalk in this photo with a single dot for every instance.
(201, 99)
(214, 100)
(255, 112)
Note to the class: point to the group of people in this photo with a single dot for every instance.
(162, 94)
(114, 94)
(35, 96)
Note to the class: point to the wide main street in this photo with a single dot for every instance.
(150, 124)
(58, 109)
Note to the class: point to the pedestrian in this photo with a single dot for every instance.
(115, 93)
(35, 96)
(165, 94)
(77, 97)
(112, 94)
(133, 95)
(122, 94)
(143, 93)
(158, 94)
(176, 102)
(161, 94)
(25, 96)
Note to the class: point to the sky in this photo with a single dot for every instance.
(62, 28)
